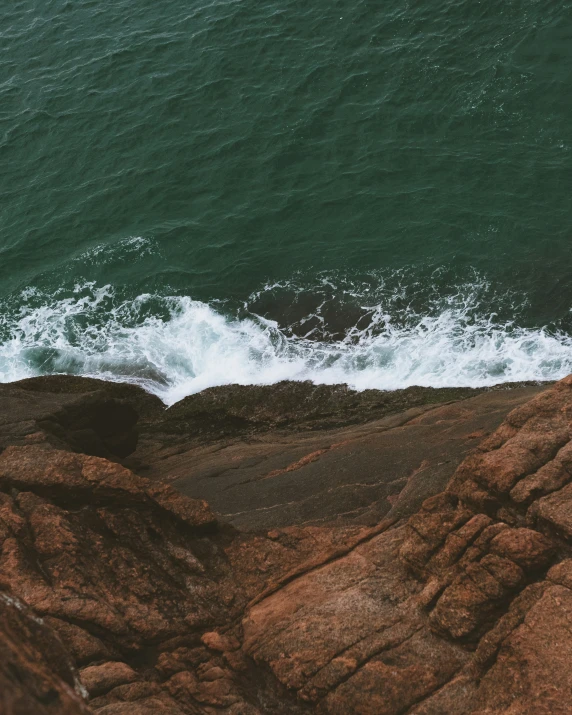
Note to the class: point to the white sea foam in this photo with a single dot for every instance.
(176, 346)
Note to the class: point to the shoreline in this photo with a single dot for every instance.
(272, 447)
(57, 382)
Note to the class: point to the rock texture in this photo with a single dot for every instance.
(268, 457)
(37, 673)
(122, 594)
(464, 609)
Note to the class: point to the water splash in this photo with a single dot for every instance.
(175, 346)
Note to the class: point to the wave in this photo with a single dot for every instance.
(174, 346)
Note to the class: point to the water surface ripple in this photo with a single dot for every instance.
(194, 194)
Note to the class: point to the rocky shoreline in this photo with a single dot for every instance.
(285, 549)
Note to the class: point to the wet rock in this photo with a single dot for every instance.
(77, 414)
(268, 457)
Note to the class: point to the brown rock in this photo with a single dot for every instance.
(470, 602)
(561, 573)
(99, 679)
(428, 529)
(82, 646)
(222, 643)
(526, 547)
(186, 688)
(156, 705)
(36, 674)
(555, 511)
(79, 477)
(180, 659)
(330, 610)
(531, 673)
(391, 684)
(214, 672)
(236, 661)
(135, 691)
(549, 478)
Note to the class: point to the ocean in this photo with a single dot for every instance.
(201, 193)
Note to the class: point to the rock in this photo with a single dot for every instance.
(386, 685)
(561, 573)
(36, 673)
(161, 705)
(525, 547)
(549, 478)
(99, 679)
(382, 459)
(134, 691)
(77, 414)
(473, 594)
(461, 608)
(555, 511)
(306, 438)
(80, 477)
(222, 643)
(82, 645)
(531, 673)
(472, 601)
(114, 563)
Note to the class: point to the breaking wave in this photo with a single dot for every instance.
(368, 335)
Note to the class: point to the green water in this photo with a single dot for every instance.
(414, 158)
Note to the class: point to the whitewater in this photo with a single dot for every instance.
(174, 346)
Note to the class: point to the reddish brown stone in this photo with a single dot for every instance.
(555, 511)
(99, 679)
(168, 611)
(525, 547)
(220, 642)
(81, 476)
(36, 674)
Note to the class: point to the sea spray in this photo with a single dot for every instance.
(174, 346)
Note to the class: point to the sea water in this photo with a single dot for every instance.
(202, 193)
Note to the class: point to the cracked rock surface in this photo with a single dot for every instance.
(444, 585)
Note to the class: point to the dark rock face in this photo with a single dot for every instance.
(77, 414)
(268, 457)
(297, 454)
(122, 594)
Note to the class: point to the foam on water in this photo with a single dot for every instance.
(175, 346)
